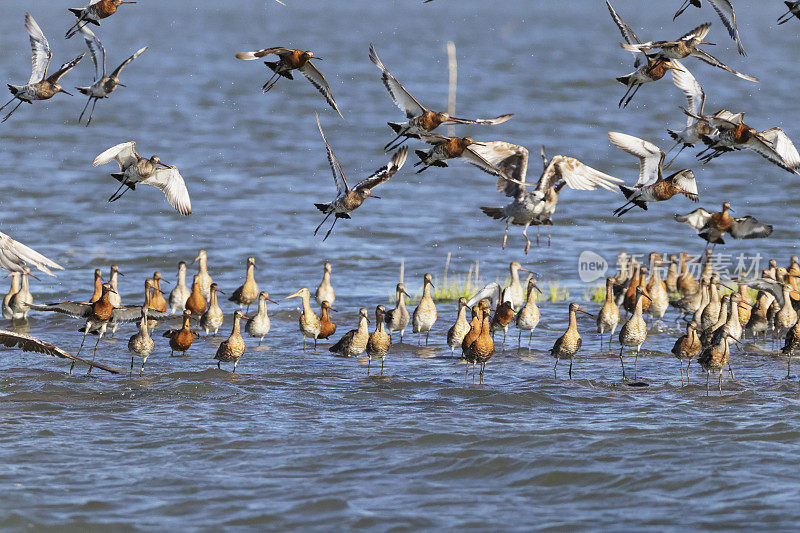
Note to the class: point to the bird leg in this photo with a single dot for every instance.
(331, 229)
(619, 104)
(730, 370)
(505, 237)
(323, 221)
(635, 360)
(529, 340)
(91, 113)
(570, 368)
(382, 359)
(270, 83)
(89, 101)
(527, 240)
(389, 146)
(117, 195)
(621, 348)
(12, 111)
(369, 364)
(426, 340)
(7, 103)
(555, 369)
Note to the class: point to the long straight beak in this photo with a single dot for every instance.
(538, 289)
(121, 84)
(162, 280)
(273, 301)
(708, 43)
(291, 296)
(66, 92)
(167, 166)
(219, 291)
(196, 259)
(33, 276)
(373, 196)
(404, 292)
(586, 313)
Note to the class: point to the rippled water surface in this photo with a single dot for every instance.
(308, 441)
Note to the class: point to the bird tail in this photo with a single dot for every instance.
(77, 11)
(396, 126)
(496, 213)
(422, 154)
(625, 80)
(627, 191)
(120, 176)
(673, 134)
(322, 207)
(272, 65)
(13, 89)
(705, 236)
(84, 90)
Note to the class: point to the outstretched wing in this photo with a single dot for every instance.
(132, 313)
(14, 256)
(576, 175)
(95, 48)
(749, 228)
(255, 54)
(491, 291)
(125, 63)
(783, 145)
(685, 180)
(651, 157)
(336, 168)
(41, 50)
(27, 343)
(698, 219)
(171, 183)
(695, 97)
(477, 160)
(73, 308)
(479, 121)
(318, 80)
(512, 159)
(400, 96)
(385, 172)
(697, 33)
(124, 153)
(724, 9)
(702, 55)
(626, 31)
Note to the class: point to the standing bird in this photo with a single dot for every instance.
(326, 325)
(179, 295)
(687, 346)
(651, 186)
(514, 292)
(421, 120)
(482, 349)
(289, 60)
(113, 280)
(181, 340)
(457, 332)
(715, 357)
(347, 199)
(137, 169)
(794, 11)
(529, 315)
(324, 292)
(8, 313)
(20, 302)
(309, 322)
(232, 349)
(397, 319)
(196, 303)
(503, 315)
(712, 226)
(98, 285)
(93, 13)
(157, 302)
(213, 317)
(103, 85)
(247, 293)
(141, 344)
(608, 316)
(633, 332)
(686, 46)
(536, 207)
(424, 316)
(39, 86)
(567, 345)
(724, 9)
(14, 256)
(792, 343)
(202, 272)
(258, 325)
(379, 342)
(354, 342)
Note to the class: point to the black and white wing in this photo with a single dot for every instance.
(171, 183)
(27, 343)
(95, 48)
(763, 147)
(695, 97)
(576, 175)
(125, 63)
(400, 96)
(41, 50)
(124, 153)
(255, 54)
(702, 55)
(492, 291)
(318, 80)
(698, 33)
(783, 145)
(627, 33)
(724, 9)
(385, 172)
(63, 69)
(479, 121)
(512, 159)
(688, 184)
(651, 157)
(15, 256)
(336, 168)
(133, 313)
(73, 308)
(749, 228)
(475, 159)
(698, 219)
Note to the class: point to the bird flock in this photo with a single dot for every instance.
(708, 335)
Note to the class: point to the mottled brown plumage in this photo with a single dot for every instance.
(232, 349)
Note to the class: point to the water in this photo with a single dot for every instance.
(302, 440)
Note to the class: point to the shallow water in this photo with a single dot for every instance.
(305, 440)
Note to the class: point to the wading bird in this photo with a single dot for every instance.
(289, 60)
(39, 86)
(137, 169)
(105, 84)
(537, 206)
(421, 120)
(712, 226)
(347, 199)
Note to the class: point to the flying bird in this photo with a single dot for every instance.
(347, 199)
(93, 13)
(28, 343)
(137, 169)
(712, 226)
(104, 84)
(536, 206)
(15, 256)
(445, 148)
(724, 9)
(289, 60)
(695, 103)
(39, 86)
(421, 120)
(794, 11)
(651, 186)
(686, 46)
